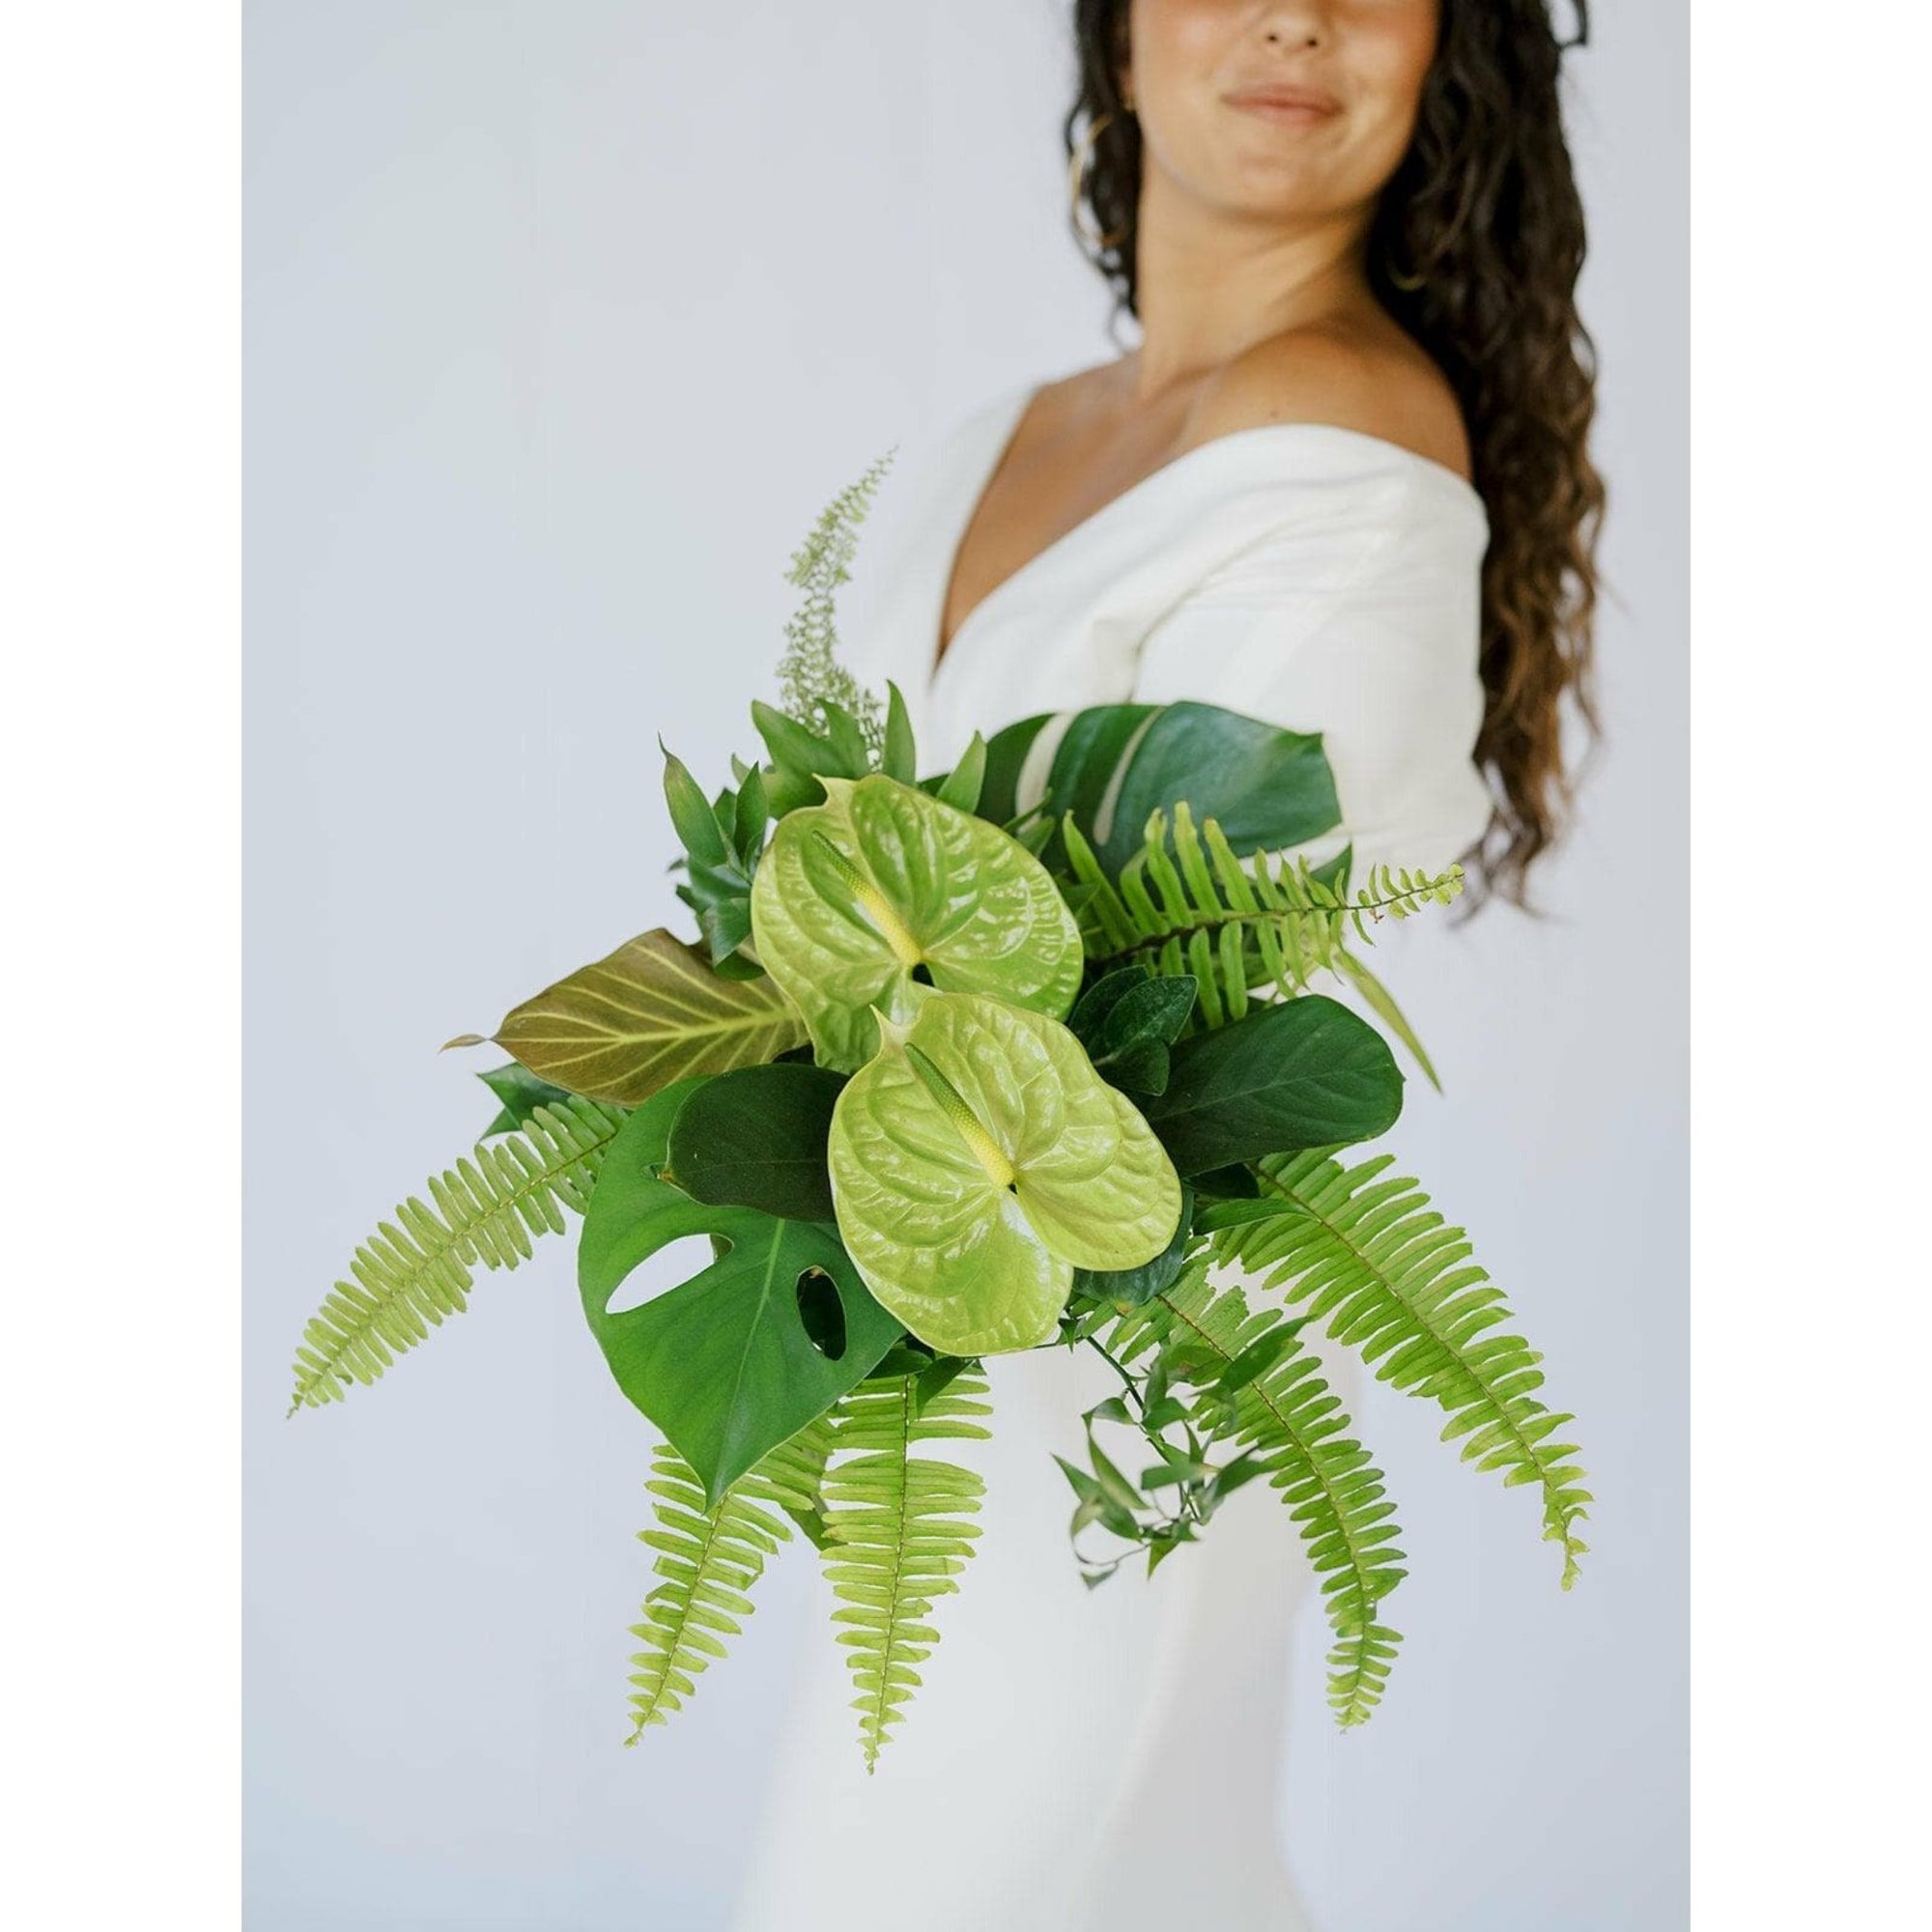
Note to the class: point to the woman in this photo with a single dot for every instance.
(1341, 484)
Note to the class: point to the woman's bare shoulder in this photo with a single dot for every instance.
(1332, 373)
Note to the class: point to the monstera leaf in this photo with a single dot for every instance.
(860, 898)
(1116, 764)
(979, 1160)
(740, 1357)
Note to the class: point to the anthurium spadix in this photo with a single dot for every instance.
(978, 1161)
(860, 900)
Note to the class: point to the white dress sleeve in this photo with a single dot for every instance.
(1358, 616)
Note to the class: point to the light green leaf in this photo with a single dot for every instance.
(1383, 1002)
(652, 1012)
(900, 758)
(961, 788)
(882, 882)
(979, 1160)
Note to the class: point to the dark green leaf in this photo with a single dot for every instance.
(1155, 1010)
(1138, 1029)
(1162, 1546)
(1214, 1215)
(741, 966)
(791, 746)
(1005, 753)
(1085, 762)
(756, 1139)
(750, 812)
(1306, 1073)
(792, 788)
(725, 923)
(1257, 1358)
(1265, 786)
(1113, 1483)
(1090, 1013)
(934, 1381)
(1228, 1183)
(1128, 1019)
(799, 759)
(1139, 1069)
(847, 740)
(522, 1094)
(906, 1358)
(1334, 873)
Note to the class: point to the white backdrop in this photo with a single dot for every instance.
(564, 322)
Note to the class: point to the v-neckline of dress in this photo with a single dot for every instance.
(941, 654)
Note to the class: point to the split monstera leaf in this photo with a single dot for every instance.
(740, 1357)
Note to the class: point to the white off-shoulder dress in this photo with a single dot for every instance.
(1108, 1760)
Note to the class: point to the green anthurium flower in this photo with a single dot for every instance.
(978, 1161)
(882, 883)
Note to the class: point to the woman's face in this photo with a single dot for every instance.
(1194, 70)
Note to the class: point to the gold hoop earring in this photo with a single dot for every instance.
(1407, 283)
(1077, 167)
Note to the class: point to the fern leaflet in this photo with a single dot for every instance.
(1374, 1262)
(1184, 903)
(413, 1271)
(709, 1560)
(1286, 1417)
(894, 1538)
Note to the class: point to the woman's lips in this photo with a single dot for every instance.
(1290, 108)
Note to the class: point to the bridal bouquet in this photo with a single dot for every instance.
(1017, 1056)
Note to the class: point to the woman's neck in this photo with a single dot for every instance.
(1209, 287)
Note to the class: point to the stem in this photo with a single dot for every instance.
(1100, 1348)
(1190, 1508)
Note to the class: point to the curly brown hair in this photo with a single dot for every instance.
(1483, 211)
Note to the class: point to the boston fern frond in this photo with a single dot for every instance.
(894, 1538)
(1184, 903)
(1377, 1263)
(414, 1270)
(1289, 1421)
(709, 1560)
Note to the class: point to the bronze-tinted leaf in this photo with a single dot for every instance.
(652, 1012)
